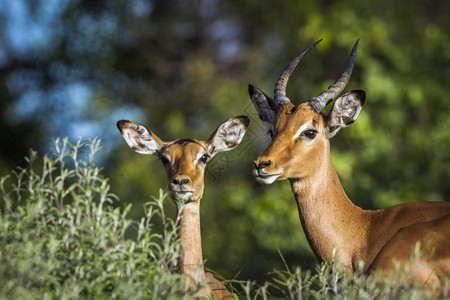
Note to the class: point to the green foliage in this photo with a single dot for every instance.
(330, 281)
(63, 239)
(182, 67)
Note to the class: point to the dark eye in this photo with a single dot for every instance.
(270, 132)
(164, 159)
(310, 133)
(204, 158)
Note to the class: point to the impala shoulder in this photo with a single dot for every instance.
(413, 212)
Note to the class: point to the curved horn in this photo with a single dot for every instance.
(319, 102)
(280, 86)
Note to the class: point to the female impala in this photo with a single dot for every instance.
(184, 161)
(300, 152)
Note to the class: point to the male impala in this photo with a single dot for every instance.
(300, 152)
(184, 161)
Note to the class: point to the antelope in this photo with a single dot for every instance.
(184, 161)
(333, 225)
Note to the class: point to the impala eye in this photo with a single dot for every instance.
(204, 158)
(310, 133)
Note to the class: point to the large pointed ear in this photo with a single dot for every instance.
(228, 135)
(345, 111)
(139, 138)
(265, 106)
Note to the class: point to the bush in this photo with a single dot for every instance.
(63, 238)
(329, 281)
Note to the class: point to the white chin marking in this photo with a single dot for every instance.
(185, 196)
(266, 179)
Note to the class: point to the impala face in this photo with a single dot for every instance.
(300, 133)
(184, 160)
(297, 130)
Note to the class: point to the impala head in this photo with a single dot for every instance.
(184, 160)
(300, 133)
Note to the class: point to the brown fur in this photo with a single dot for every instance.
(331, 221)
(300, 152)
(433, 261)
(185, 170)
(191, 258)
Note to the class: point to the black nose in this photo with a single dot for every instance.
(262, 164)
(180, 181)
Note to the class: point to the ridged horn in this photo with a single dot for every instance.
(318, 103)
(280, 86)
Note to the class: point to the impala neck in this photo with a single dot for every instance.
(191, 258)
(331, 222)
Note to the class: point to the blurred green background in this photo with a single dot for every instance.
(73, 68)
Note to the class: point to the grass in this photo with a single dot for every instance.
(62, 237)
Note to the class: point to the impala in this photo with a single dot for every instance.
(184, 161)
(300, 151)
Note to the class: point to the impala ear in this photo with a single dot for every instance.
(345, 111)
(139, 138)
(228, 135)
(265, 106)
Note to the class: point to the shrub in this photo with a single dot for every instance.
(329, 281)
(62, 237)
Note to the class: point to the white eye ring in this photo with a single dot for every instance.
(310, 133)
(301, 130)
(204, 158)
